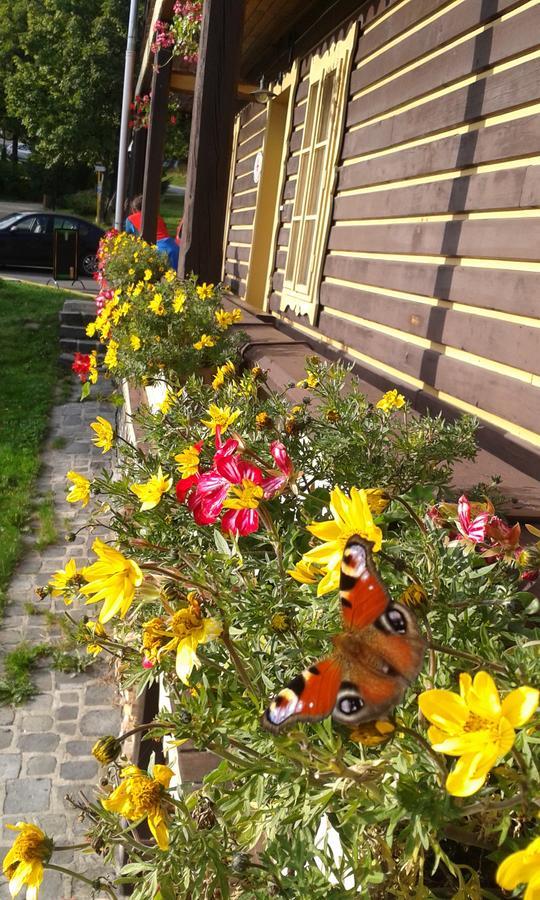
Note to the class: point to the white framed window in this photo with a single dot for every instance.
(325, 111)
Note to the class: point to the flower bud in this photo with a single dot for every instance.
(280, 623)
(184, 716)
(107, 749)
(240, 862)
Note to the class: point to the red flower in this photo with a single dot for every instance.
(506, 536)
(277, 482)
(472, 529)
(81, 365)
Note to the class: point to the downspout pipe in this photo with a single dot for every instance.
(129, 68)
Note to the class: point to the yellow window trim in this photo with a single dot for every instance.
(302, 296)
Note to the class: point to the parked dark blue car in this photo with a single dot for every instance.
(26, 240)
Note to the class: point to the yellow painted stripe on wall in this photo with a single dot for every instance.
(471, 359)
(446, 175)
(238, 209)
(520, 112)
(515, 430)
(501, 316)
(238, 244)
(384, 16)
(445, 48)
(443, 217)
(512, 265)
(475, 78)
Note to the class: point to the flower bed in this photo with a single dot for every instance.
(253, 540)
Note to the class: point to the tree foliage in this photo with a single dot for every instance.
(66, 81)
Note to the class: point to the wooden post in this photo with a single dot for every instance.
(137, 163)
(214, 108)
(157, 124)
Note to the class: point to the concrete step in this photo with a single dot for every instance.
(77, 345)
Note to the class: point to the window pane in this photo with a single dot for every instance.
(293, 246)
(325, 118)
(25, 224)
(317, 177)
(304, 266)
(310, 114)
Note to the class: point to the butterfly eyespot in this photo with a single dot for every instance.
(397, 621)
(350, 705)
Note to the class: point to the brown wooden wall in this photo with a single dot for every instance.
(243, 198)
(432, 269)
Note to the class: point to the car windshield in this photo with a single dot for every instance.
(6, 221)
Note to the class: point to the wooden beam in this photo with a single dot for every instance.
(157, 123)
(137, 162)
(185, 81)
(214, 108)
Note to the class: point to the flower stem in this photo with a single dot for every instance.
(72, 846)
(461, 654)
(243, 674)
(95, 883)
(413, 515)
(425, 746)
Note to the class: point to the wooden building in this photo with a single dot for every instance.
(383, 202)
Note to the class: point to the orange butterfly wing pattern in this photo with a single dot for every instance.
(375, 658)
(308, 697)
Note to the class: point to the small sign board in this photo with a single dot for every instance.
(257, 167)
(65, 253)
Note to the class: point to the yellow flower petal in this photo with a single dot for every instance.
(443, 708)
(467, 776)
(483, 698)
(520, 705)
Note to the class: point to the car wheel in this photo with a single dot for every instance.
(89, 264)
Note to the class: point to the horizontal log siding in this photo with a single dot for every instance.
(243, 198)
(432, 270)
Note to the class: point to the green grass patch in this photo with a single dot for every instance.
(172, 210)
(17, 686)
(47, 532)
(29, 372)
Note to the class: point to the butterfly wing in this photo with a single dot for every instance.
(307, 698)
(363, 595)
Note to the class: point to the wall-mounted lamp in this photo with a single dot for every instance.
(262, 94)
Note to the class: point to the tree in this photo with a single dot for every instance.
(13, 23)
(67, 87)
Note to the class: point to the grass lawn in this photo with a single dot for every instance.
(172, 210)
(28, 374)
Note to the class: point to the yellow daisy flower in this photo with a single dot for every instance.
(220, 417)
(370, 734)
(204, 290)
(475, 726)
(140, 796)
(111, 356)
(104, 433)
(377, 500)
(188, 460)
(205, 340)
(112, 579)
(147, 274)
(135, 342)
(187, 630)
(226, 319)
(391, 400)
(93, 371)
(63, 580)
(352, 515)
(96, 630)
(522, 867)
(304, 572)
(23, 863)
(225, 371)
(169, 276)
(80, 490)
(179, 301)
(151, 491)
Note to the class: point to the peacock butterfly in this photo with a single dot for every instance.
(379, 653)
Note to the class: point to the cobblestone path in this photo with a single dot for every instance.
(45, 744)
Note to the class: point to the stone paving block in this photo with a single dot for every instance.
(81, 770)
(79, 748)
(37, 723)
(97, 694)
(11, 764)
(6, 715)
(67, 712)
(99, 722)
(41, 765)
(6, 736)
(27, 795)
(39, 743)
(66, 727)
(72, 697)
